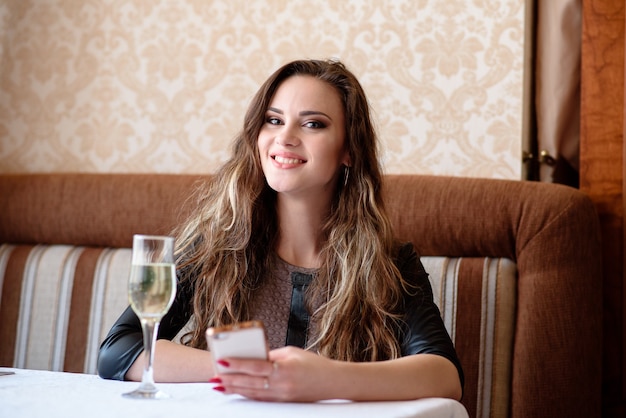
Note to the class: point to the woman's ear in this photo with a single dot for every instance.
(346, 160)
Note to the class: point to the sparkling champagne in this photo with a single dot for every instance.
(152, 289)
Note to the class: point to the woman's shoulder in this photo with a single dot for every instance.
(404, 251)
(408, 262)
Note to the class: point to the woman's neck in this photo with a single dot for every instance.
(300, 225)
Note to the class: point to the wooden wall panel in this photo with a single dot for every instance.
(602, 172)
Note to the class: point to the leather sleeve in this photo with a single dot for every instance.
(424, 331)
(124, 342)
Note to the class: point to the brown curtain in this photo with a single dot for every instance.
(557, 90)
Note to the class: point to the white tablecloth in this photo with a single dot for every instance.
(35, 393)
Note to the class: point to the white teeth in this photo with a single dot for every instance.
(283, 160)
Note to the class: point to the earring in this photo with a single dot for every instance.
(346, 174)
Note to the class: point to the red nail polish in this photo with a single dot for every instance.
(223, 363)
(219, 388)
(215, 380)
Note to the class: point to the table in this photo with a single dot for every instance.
(37, 393)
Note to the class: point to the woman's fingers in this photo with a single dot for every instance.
(292, 374)
(249, 366)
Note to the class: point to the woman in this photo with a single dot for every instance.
(300, 199)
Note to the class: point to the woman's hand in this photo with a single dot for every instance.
(290, 375)
(295, 375)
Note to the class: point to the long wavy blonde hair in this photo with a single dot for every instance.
(225, 247)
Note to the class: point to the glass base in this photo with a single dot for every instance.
(146, 392)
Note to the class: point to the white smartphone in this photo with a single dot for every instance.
(244, 340)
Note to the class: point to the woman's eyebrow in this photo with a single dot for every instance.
(314, 113)
(303, 113)
(275, 110)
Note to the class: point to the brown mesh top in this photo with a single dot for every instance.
(273, 300)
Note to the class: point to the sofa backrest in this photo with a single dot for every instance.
(515, 268)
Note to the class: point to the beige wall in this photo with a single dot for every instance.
(161, 86)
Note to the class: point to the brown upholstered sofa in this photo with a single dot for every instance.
(515, 268)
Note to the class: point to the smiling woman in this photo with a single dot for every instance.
(282, 234)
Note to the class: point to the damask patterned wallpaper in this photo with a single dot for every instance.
(162, 85)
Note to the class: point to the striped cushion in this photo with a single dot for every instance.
(58, 302)
(477, 298)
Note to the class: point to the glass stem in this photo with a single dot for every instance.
(150, 329)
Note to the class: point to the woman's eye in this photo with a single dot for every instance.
(314, 124)
(273, 120)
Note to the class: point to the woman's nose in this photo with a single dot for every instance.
(287, 136)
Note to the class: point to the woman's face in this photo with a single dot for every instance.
(302, 141)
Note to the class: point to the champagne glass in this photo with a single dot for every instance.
(151, 291)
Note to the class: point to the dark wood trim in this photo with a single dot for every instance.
(624, 229)
(602, 154)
